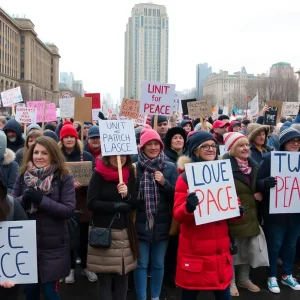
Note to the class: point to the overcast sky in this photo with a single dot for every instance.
(226, 34)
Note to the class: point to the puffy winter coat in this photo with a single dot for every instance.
(204, 261)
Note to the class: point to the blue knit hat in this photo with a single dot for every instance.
(51, 134)
(33, 126)
(287, 135)
(93, 132)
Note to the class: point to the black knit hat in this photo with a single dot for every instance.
(160, 119)
(173, 131)
(287, 135)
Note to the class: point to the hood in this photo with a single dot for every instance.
(182, 160)
(184, 122)
(9, 157)
(3, 144)
(13, 125)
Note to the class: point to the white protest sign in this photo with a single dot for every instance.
(254, 108)
(157, 98)
(141, 120)
(18, 254)
(290, 108)
(213, 183)
(225, 110)
(177, 107)
(26, 115)
(95, 113)
(67, 107)
(285, 196)
(11, 97)
(117, 137)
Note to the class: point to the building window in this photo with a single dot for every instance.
(149, 12)
(22, 39)
(22, 51)
(22, 63)
(22, 76)
(142, 21)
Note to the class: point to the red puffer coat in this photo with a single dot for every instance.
(204, 261)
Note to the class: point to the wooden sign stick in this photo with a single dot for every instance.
(120, 168)
(81, 131)
(25, 128)
(13, 113)
(202, 123)
(155, 122)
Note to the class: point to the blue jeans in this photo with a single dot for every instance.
(49, 291)
(192, 295)
(156, 253)
(284, 237)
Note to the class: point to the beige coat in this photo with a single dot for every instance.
(110, 260)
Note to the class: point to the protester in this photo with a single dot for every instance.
(111, 202)
(13, 131)
(33, 127)
(175, 143)
(2, 122)
(219, 128)
(93, 145)
(187, 125)
(46, 191)
(162, 126)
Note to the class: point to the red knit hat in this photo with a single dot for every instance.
(149, 135)
(68, 130)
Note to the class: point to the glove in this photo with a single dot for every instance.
(101, 115)
(191, 202)
(26, 201)
(242, 210)
(121, 207)
(270, 182)
(33, 195)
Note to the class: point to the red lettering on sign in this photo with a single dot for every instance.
(160, 89)
(156, 109)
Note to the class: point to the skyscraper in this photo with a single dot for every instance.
(202, 72)
(146, 47)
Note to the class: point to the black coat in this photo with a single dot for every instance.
(13, 125)
(163, 217)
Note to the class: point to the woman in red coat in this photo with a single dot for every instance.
(204, 260)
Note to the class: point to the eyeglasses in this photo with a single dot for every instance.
(207, 147)
(294, 141)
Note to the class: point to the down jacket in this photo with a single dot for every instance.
(53, 242)
(204, 261)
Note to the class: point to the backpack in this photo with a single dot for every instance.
(10, 216)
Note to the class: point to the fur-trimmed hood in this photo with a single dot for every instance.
(9, 157)
(182, 160)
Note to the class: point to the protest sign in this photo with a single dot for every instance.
(273, 113)
(26, 115)
(11, 96)
(157, 98)
(18, 254)
(199, 108)
(81, 171)
(254, 108)
(117, 137)
(222, 150)
(130, 108)
(184, 105)
(285, 196)
(83, 109)
(177, 104)
(95, 113)
(290, 108)
(213, 183)
(67, 107)
(141, 120)
(50, 112)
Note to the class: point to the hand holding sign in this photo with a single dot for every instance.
(122, 189)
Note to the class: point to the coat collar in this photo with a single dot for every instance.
(9, 157)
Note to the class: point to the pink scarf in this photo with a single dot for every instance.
(244, 166)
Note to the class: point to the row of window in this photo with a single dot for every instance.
(151, 12)
(8, 32)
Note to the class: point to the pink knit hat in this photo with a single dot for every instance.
(148, 135)
(231, 138)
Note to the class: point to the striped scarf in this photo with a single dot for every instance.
(149, 189)
(243, 166)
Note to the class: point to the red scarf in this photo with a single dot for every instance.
(93, 152)
(243, 166)
(111, 174)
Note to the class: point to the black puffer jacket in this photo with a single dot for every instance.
(163, 217)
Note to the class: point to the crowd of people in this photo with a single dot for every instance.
(148, 218)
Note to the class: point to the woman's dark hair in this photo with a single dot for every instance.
(4, 204)
(105, 160)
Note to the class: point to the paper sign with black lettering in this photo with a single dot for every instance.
(271, 116)
(67, 107)
(157, 98)
(285, 196)
(18, 254)
(26, 115)
(81, 171)
(130, 108)
(213, 183)
(199, 108)
(117, 137)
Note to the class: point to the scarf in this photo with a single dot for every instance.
(148, 186)
(111, 174)
(243, 166)
(40, 178)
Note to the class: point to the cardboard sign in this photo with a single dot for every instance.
(290, 108)
(274, 112)
(198, 109)
(157, 98)
(81, 171)
(95, 113)
(26, 115)
(83, 109)
(141, 120)
(50, 113)
(213, 183)
(11, 96)
(184, 104)
(130, 108)
(117, 137)
(284, 197)
(254, 108)
(18, 254)
(67, 107)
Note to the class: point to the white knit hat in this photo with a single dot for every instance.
(231, 138)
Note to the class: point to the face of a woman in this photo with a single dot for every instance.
(207, 151)
(177, 142)
(152, 149)
(40, 156)
(260, 139)
(69, 142)
(31, 141)
(242, 150)
(113, 161)
(187, 127)
(292, 145)
(75, 125)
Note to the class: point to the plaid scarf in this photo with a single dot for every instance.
(148, 186)
(243, 166)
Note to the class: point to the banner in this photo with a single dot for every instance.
(11, 97)
(285, 196)
(26, 115)
(50, 112)
(18, 254)
(213, 183)
(254, 108)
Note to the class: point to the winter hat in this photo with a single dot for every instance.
(220, 124)
(50, 126)
(67, 123)
(223, 117)
(33, 126)
(160, 119)
(88, 124)
(231, 138)
(233, 124)
(173, 131)
(196, 139)
(285, 125)
(287, 135)
(67, 130)
(296, 126)
(148, 135)
(93, 132)
(3, 144)
(246, 122)
(51, 134)
(254, 129)
(185, 122)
